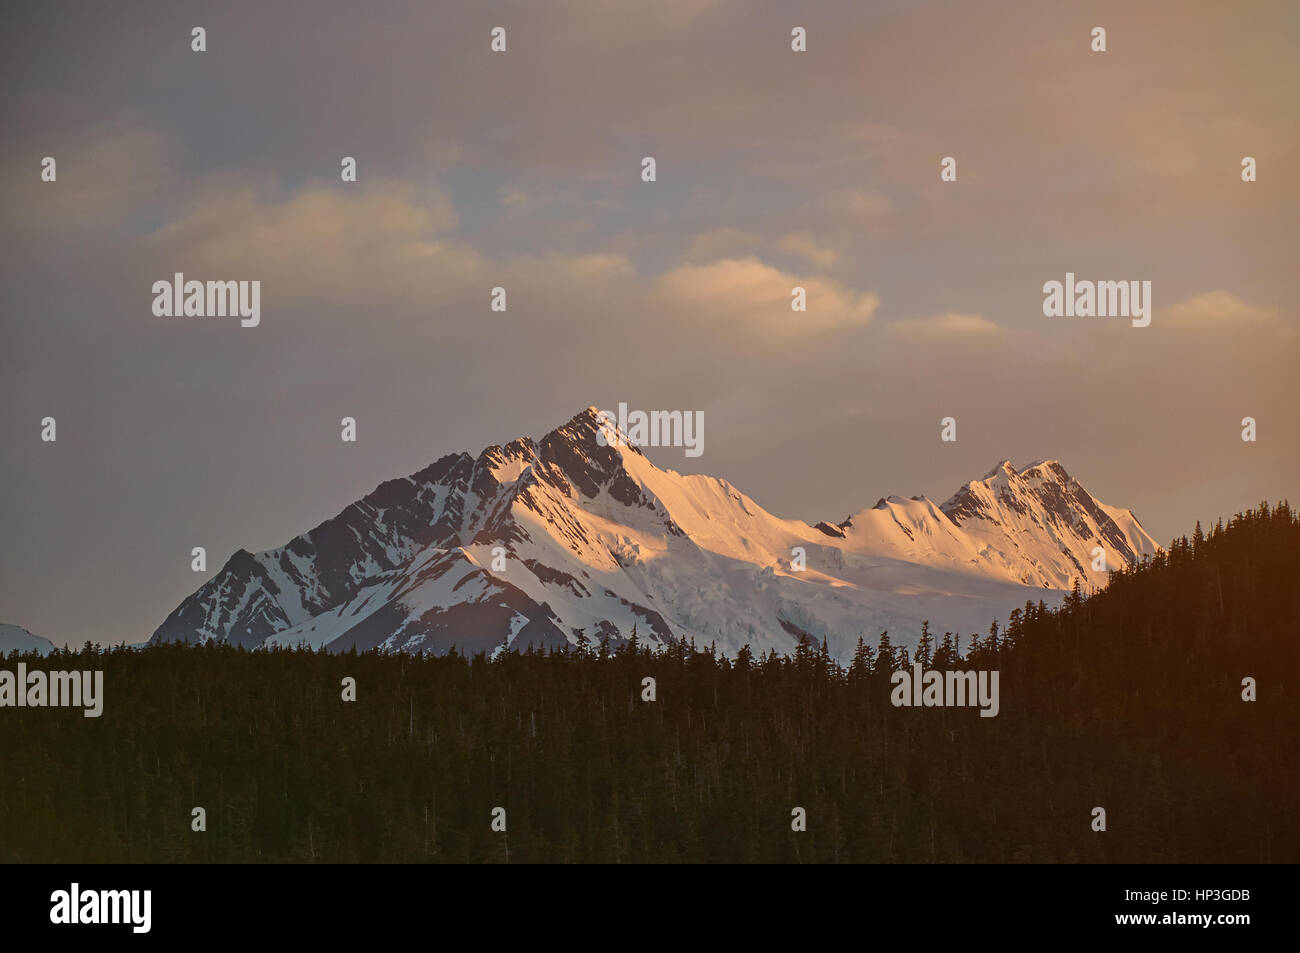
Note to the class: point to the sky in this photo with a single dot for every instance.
(522, 169)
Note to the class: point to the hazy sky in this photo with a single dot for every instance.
(522, 169)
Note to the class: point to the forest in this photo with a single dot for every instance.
(1130, 699)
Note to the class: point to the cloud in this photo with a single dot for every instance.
(332, 244)
(951, 325)
(104, 172)
(805, 245)
(1220, 308)
(729, 242)
(748, 295)
(721, 243)
(853, 206)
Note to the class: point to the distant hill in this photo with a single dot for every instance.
(16, 637)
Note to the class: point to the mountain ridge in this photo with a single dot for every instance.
(562, 539)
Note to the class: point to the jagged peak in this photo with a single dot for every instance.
(589, 418)
(1044, 467)
(587, 454)
(521, 449)
(1003, 468)
(583, 427)
(578, 432)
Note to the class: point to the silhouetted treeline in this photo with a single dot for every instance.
(1130, 700)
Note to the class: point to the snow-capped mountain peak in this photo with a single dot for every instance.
(1044, 527)
(569, 539)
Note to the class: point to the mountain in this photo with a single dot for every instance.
(15, 637)
(1037, 526)
(563, 539)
